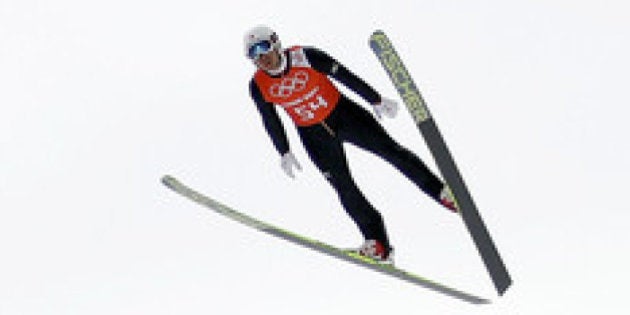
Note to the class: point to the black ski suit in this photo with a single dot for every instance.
(353, 124)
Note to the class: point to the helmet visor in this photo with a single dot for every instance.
(258, 49)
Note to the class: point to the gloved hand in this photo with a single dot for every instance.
(386, 107)
(288, 162)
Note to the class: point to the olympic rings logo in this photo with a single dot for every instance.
(289, 85)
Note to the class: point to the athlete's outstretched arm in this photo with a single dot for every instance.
(270, 119)
(324, 63)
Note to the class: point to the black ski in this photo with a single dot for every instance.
(416, 105)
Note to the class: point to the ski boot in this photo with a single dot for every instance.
(447, 200)
(375, 250)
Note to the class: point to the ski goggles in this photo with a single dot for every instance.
(258, 49)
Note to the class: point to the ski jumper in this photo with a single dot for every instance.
(325, 119)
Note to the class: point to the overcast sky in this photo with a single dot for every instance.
(98, 100)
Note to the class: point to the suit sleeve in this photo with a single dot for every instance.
(324, 63)
(271, 120)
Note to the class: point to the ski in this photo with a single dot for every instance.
(391, 61)
(321, 247)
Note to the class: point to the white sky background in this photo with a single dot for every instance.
(99, 99)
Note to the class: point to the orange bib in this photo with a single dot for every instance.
(307, 95)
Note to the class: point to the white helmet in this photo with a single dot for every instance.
(260, 34)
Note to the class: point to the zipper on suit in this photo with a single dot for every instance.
(328, 129)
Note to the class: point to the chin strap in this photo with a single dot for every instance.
(282, 67)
